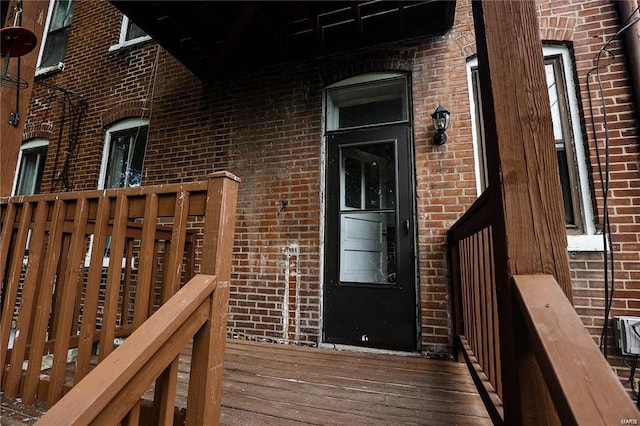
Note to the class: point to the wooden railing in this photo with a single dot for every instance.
(550, 338)
(113, 390)
(80, 269)
(475, 301)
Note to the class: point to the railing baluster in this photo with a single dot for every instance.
(164, 396)
(13, 279)
(67, 295)
(94, 278)
(45, 294)
(31, 280)
(147, 268)
(107, 333)
(8, 222)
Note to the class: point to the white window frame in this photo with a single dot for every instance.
(122, 39)
(56, 67)
(26, 146)
(129, 123)
(590, 239)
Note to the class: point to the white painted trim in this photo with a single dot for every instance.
(584, 243)
(26, 146)
(122, 39)
(476, 154)
(48, 70)
(121, 125)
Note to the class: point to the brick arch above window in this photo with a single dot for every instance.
(334, 69)
(466, 43)
(37, 131)
(557, 28)
(124, 110)
(552, 28)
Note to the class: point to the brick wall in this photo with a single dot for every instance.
(266, 127)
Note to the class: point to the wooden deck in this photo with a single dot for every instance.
(268, 384)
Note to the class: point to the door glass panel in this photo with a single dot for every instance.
(367, 216)
(352, 182)
(367, 247)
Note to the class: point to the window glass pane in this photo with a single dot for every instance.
(31, 171)
(55, 47)
(62, 14)
(369, 103)
(55, 43)
(126, 156)
(565, 183)
(134, 31)
(552, 88)
(352, 183)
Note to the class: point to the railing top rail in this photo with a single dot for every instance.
(86, 400)
(582, 384)
(135, 191)
(197, 191)
(477, 217)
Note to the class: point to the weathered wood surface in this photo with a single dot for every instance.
(278, 384)
(583, 386)
(11, 136)
(60, 301)
(528, 232)
(268, 384)
(113, 387)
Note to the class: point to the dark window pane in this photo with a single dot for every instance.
(367, 103)
(352, 183)
(373, 112)
(126, 156)
(31, 171)
(55, 47)
(565, 183)
(134, 31)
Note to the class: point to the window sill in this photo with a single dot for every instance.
(583, 243)
(50, 69)
(129, 43)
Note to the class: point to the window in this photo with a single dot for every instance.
(123, 154)
(30, 167)
(130, 33)
(367, 100)
(56, 35)
(569, 146)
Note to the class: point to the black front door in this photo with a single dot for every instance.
(369, 293)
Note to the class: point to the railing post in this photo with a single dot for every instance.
(529, 235)
(205, 381)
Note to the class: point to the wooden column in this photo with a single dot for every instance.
(529, 234)
(34, 15)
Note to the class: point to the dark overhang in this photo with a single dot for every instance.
(215, 37)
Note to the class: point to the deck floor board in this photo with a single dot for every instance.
(270, 384)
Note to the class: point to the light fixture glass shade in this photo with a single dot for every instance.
(441, 118)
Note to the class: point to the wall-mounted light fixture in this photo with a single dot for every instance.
(441, 118)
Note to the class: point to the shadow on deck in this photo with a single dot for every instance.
(277, 384)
